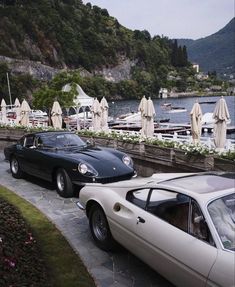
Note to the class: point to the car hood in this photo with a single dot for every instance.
(101, 159)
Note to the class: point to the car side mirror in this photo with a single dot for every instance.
(88, 143)
(198, 219)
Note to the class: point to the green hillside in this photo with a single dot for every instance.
(66, 34)
(215, 52)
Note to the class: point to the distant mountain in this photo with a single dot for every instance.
(215, 52)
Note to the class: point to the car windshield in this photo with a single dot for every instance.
(62, 140)
(222, 212)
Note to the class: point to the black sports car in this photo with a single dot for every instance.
(64, 158)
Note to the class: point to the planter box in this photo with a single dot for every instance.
(154, 151)
(136, 148)
(11, 134)
(107, 142)
(223, 164)
(202, 162)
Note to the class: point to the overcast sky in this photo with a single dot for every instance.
(192, 19)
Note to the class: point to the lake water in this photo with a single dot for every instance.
(126, 106)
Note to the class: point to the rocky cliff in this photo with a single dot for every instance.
(43, 72)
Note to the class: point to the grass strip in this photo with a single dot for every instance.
(65, 267)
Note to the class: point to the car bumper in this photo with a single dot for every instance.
(104, 180)
(80, 206)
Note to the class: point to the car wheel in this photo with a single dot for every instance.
(64, 185)
(15, 168)
(100, 229)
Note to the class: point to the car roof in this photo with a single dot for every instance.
(203, 183)
(202, 186)
(43, 133)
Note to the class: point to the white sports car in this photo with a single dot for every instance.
(183, 227)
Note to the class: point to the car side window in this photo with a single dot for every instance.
(38, 142)
(29, 141)
(170, 206)
(138, 197)
(197, 224)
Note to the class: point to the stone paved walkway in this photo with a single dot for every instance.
(119, 269)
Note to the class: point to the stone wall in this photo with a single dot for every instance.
(150, 159)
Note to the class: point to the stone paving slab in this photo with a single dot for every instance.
(119, 269)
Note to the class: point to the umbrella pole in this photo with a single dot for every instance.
(9, 89)
(84, 117)
(49, 117)
(77, 118)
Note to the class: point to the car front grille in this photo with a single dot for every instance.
(115, 179)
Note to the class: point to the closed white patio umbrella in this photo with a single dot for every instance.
(221, 117)
(149, 113)
(3, 112)
(25, 110)
(104, 114)
(196, 122)
(96, 115)
(142, 107)
(56, 115)
(17, 110)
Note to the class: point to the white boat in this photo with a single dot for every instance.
(171, 109)
(207, 119)
(130, 118)
(177, 110)
(166, 106)
(37, 114)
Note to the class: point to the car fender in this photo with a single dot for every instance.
(222, 271)
(105, 198)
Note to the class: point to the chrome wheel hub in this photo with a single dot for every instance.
(14, 166)
(99, 225)
(60, 181)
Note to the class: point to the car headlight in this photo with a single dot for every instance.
(127, 160)
(82, 168)
(86, 169)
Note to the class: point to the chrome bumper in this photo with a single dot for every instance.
(80, 206)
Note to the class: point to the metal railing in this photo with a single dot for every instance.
(184, 139)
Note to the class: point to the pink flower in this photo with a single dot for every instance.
(10, 262)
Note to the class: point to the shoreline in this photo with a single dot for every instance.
(180, 95)
(198, 94)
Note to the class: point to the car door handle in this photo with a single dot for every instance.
(140, 220)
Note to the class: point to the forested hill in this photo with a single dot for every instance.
(66, 34)
(215, 52)
(60, 33)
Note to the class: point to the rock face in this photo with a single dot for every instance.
(35, 69)
(43, 72)
(119, 73)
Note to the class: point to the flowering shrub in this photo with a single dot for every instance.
(20, 260)
(12, 127)
(188, 148)
(161, 143)
(230, 155)
(195, 149)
